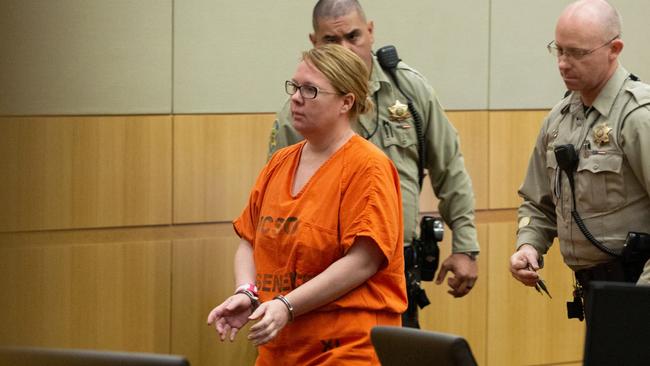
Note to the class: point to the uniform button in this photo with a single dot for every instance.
(596, 167)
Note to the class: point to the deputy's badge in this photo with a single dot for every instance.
(601, 133)
(398, 112)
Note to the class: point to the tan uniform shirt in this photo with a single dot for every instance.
(398, 139)
(612, 181)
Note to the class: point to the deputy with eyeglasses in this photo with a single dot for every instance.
(588, 179)
(391, 127)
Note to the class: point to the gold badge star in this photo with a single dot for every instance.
(398, 111)
(601, 133)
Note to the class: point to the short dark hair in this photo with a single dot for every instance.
(335, 9)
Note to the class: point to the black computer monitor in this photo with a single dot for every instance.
(28, 356)
(618, 324)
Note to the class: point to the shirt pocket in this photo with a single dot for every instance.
(399, 140)
(599, 182)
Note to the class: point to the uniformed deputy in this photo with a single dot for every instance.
(391, 127)
(606, 119)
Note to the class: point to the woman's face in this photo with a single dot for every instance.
(318, 115)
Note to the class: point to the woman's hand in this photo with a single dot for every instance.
(274, 316)
(230, 316)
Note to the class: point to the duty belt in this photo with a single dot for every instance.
(611, 271)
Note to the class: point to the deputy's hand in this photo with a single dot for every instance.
(230, 316)
(524, 265)
(465, 271)
(273, 316)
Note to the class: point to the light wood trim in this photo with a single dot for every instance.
(114, 235)
(203, 278)
(216, 161)
(104, 296)
(82, 172)
(524, 327)
(512, 138)
(466, 316)
(472, 129)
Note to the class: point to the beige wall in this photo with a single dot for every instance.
(204, 56)
(131, 132)
(85, 57)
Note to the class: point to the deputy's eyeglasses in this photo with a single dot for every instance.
(574, 53)
(306, 91)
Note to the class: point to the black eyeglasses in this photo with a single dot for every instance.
(306, 91)
(574, 53)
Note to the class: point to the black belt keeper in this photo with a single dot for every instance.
(409, 257)
(612, 271)
(636, 253)
(626, 268)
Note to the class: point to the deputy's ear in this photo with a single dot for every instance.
(617, 47)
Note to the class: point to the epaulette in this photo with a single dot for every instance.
(565, 109)
(641, 93)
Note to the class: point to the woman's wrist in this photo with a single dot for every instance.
(287, 304)
(249, 290)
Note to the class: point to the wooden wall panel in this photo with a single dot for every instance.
(62, 172)
(79, 172)
(216, 161)
(472, 128)
(102, 296)
(466, 316)
(203, 278)
(512, 137)
(524, 327)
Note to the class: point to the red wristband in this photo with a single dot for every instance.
(250, 287)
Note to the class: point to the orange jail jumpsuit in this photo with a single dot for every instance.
(356, 192)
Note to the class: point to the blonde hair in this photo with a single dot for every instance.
(345, 71)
